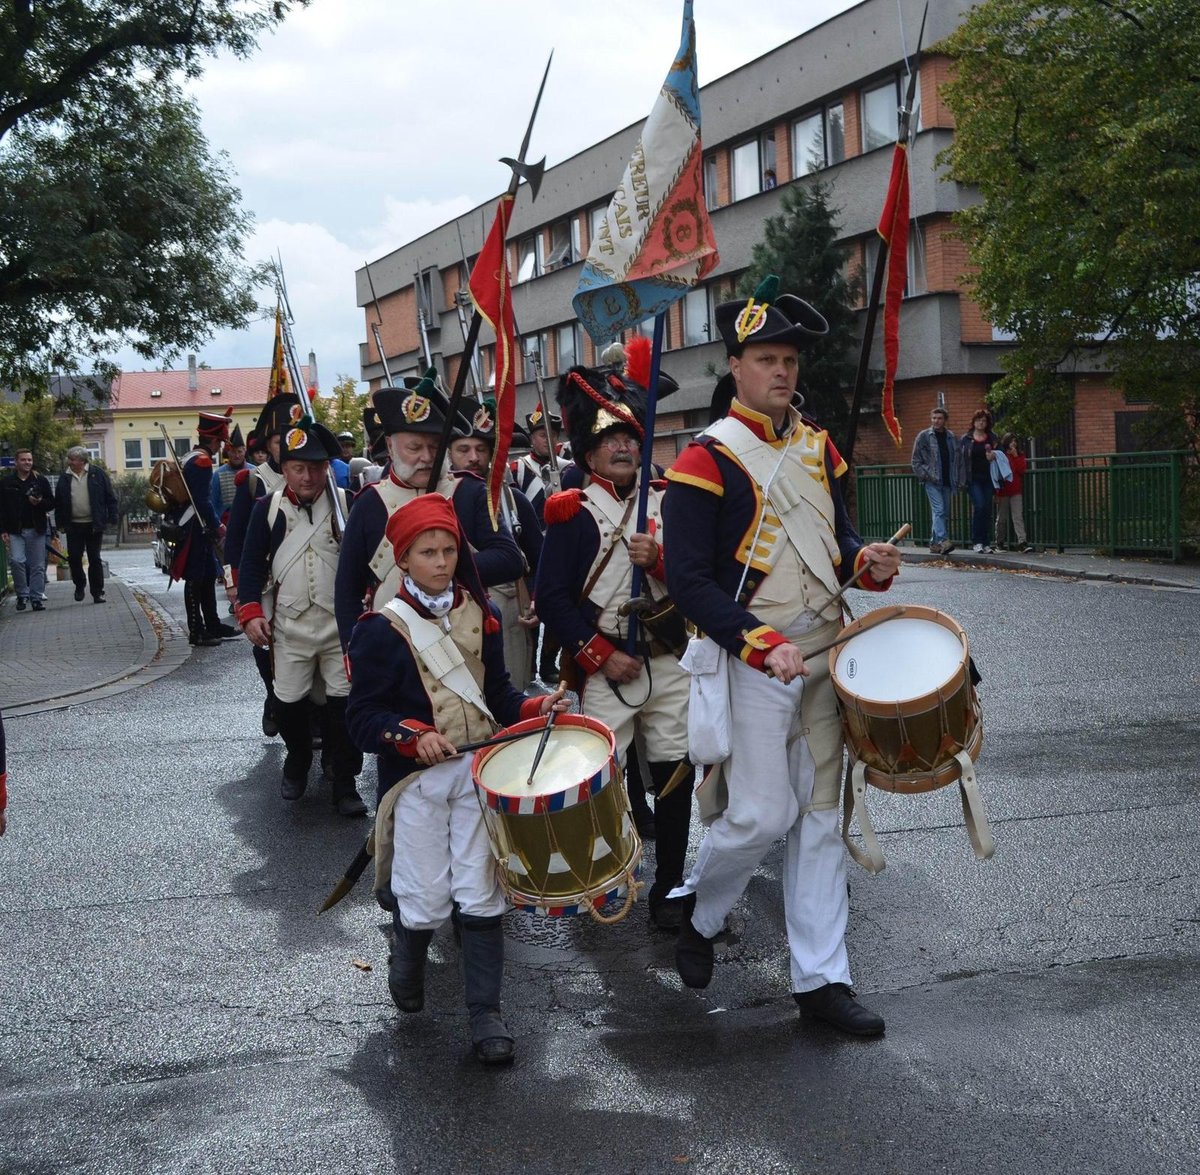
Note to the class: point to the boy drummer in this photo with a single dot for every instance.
(427, 674)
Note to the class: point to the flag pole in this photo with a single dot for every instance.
(864, 356)
(643, 505)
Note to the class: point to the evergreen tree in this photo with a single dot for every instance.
(800, 245)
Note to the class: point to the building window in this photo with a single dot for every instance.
(158, 449)
(568, 346)
(697, 327)
(183, 446)
(880, 115)
(527, 259)
(711, 189)
(914, 281)
(835, 134)
(747, 179)
(766, 152)
(561, 251)
(93, 450)
(133, 454)
(424, 288)
(808, 144)
(595, 224)
(533, 346)
(576, 239)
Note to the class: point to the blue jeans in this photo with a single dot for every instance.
(939, 497)
(981, 515)
(28, 555)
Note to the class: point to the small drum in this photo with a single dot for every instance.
(566, 845)
(908, 705)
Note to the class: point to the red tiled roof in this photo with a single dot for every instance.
(242, 387)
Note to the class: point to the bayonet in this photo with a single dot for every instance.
(387, 375)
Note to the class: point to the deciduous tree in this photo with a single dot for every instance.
(1077, 121)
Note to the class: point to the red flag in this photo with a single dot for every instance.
(893, 229)
(491, 291)
(279, 376)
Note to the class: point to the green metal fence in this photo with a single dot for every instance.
(1114, 502)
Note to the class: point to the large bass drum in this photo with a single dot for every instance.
(567, 845)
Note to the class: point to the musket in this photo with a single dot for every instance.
(301, 386)
(531, 173)
(387, 374)
(462, 299)
(905, 135)
(422, 325)
(552, 464)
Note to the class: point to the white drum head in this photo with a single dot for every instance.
(572, 755)
(898, 660)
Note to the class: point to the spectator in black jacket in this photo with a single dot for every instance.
(25, 500)
(84, 504)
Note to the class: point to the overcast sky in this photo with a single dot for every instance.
(361, 124)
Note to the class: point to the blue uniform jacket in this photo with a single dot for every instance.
(197, 558)
(496, 555)
(709, 513)
(569, 548)
(530, 537)
(387, 697)
(239, 515)
(258, 549)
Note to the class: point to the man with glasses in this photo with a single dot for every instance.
(583, 591)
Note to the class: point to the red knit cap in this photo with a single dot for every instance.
(427, 512)
(435, 512)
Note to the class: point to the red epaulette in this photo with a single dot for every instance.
(203, 460)
(239, 478)
(658, 483)
(563, 506)
(368, 612)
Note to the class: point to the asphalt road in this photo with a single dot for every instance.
(172, 1003)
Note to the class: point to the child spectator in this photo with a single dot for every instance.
(1010, 506)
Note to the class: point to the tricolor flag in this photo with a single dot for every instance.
(491, 291)
(279, 377)
(893, 230)
(656, 241)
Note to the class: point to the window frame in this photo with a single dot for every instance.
(527, 247)
(126, 462)
(865, 125)
(576, 346)
(690, 298)
(735, 192)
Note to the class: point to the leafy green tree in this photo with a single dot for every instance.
(32, 424)
(342, 409)
(117, 226)
(1077, 122)
(800, 245)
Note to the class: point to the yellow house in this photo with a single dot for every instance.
(143, 400)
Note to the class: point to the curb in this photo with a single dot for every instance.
(969, 558)
(164, 649)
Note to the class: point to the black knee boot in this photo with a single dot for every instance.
(262, 662)
(292, 719)
(195, 618)
(406, 965)
(483, 975)
(345, 759)
(672, 820)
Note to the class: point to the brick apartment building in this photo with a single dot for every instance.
(824, 104)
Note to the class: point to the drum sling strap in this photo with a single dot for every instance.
(453, 667)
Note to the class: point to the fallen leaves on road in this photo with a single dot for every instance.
(361, 964)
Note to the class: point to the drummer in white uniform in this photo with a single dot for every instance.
(757, 573)
(427, 675)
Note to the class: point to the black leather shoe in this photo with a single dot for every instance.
(21, 602)
(496, 1050)
(292, 788)
(202, 640)
(693, 952)
(270, 727)
(350, 804)
(79, 595)
(222, 632)
(98, 599)
(837, 1005)
(37, 606)
(667, 915)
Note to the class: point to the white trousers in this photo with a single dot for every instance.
(770, 774)
(661, 717)
(442, 854)
(306, 656)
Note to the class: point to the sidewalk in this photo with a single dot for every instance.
(73, 652)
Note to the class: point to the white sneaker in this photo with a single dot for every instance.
(978, 548)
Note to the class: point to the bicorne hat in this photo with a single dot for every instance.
(308, 440)
(417, 406)
(768, 317)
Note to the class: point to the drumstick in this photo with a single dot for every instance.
(844, 636)
(904, 530)
(541, 747)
